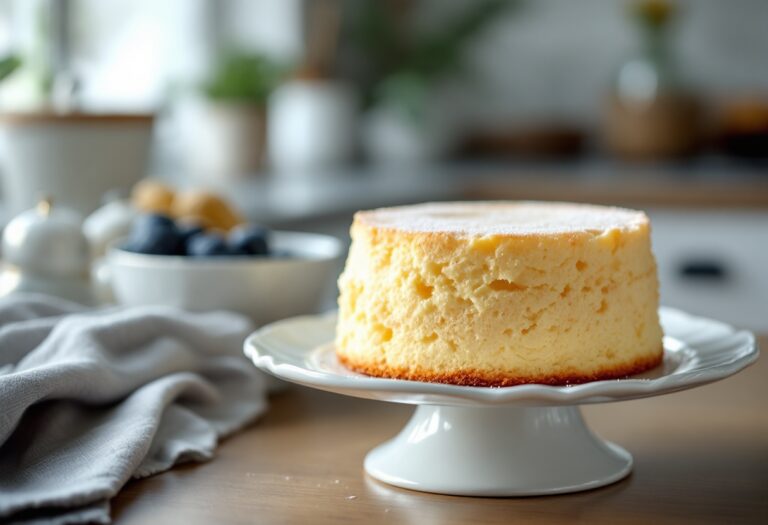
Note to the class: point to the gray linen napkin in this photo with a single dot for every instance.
(89, 399)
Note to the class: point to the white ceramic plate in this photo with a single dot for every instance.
(696, 351)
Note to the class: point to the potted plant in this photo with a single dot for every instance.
(230, 140)
(313, 116)
(405, 68)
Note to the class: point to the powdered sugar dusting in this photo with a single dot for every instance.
(503, 218)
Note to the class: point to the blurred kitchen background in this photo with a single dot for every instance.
(303, 111)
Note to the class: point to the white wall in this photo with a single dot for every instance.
(548, 57)
(557, 56)
(130, 53)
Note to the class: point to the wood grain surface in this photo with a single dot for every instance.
(701, 456)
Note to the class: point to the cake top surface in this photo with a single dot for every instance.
(502, 218)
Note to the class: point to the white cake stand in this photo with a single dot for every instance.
(514, 441)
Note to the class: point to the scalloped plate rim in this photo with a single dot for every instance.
(744, 354)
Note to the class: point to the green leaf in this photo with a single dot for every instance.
(242, 77)
(399, 66)
(8, 65)
(406, 92)
(438, 54)
(376, 32)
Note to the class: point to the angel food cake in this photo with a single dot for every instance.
(499, 294)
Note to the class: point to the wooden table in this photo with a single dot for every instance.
(701, 456)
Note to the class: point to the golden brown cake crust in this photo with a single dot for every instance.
(486, 379)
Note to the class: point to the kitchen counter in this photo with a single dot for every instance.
(701, 456)
(707, 212)
(278, 199)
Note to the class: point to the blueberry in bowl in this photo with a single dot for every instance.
(207, 245)
(189, 229)
(154, 234)
(249, 239)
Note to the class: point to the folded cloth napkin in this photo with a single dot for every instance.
(89, 399)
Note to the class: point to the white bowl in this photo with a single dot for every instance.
(264, 288)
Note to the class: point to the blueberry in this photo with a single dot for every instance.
(154, 220)
(207, 245)
(249, 239)
(154, 234)
(186, 232)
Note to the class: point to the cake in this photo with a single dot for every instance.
(499, 294)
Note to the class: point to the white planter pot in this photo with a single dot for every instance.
(227, 140)
(390, 136)
(312, 125)
(72, 158)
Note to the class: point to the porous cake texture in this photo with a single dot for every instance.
(499, 294)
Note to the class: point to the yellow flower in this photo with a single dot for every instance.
(655, 13)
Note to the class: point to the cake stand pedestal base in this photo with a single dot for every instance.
(497, 451)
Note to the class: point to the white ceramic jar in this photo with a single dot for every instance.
(311, 126)
(45, 251)
(226, 140)
(390, 136)
(74, 158)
